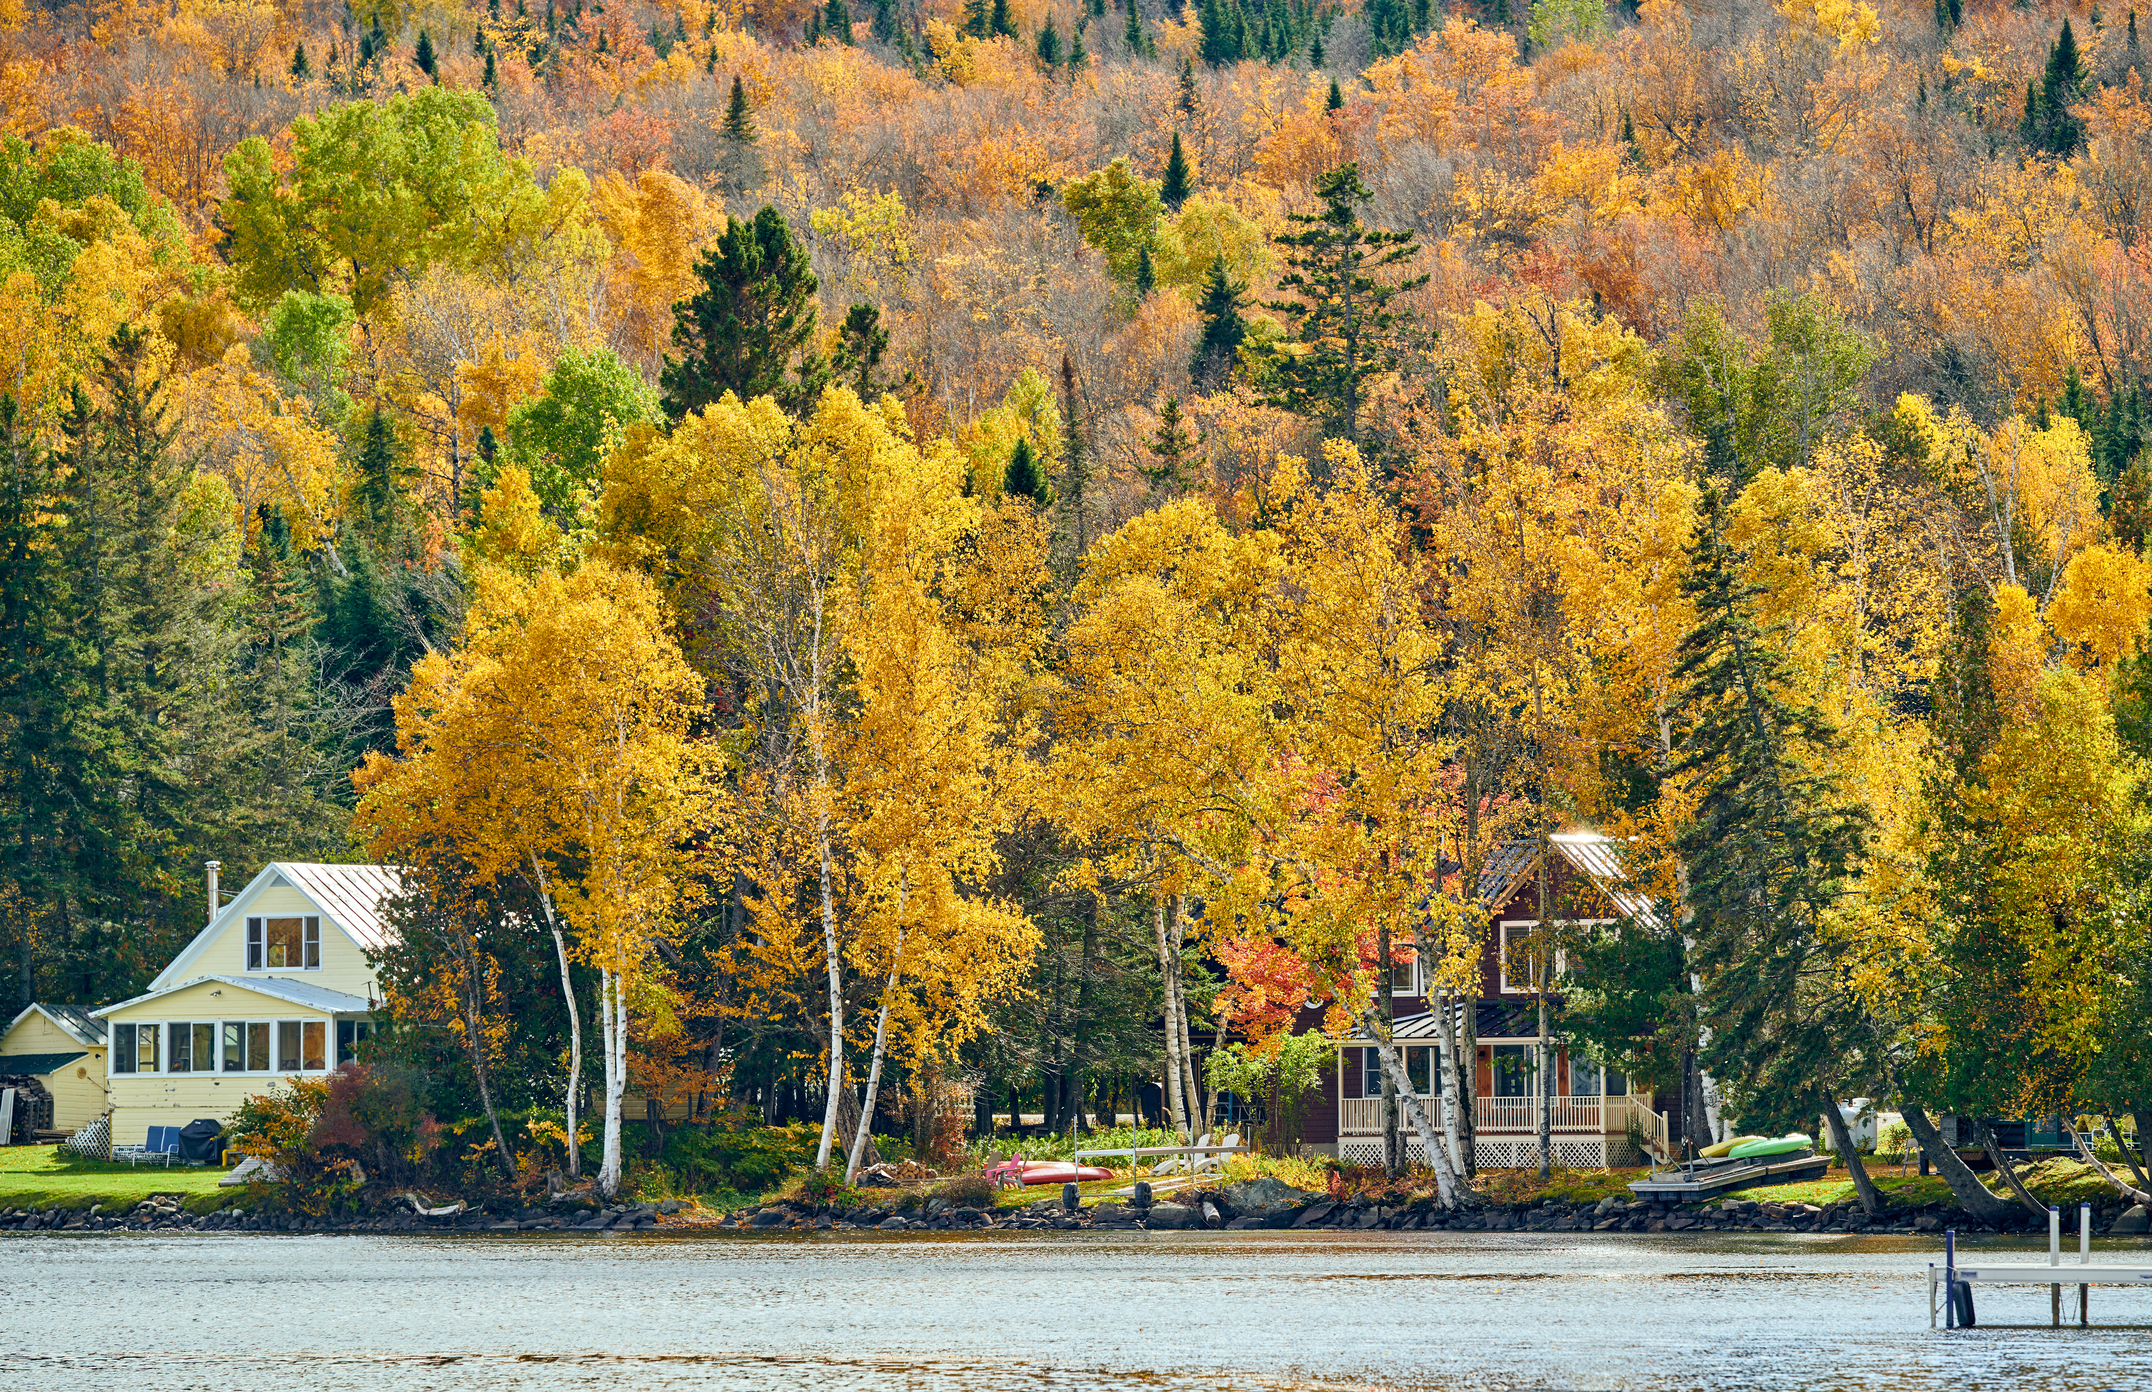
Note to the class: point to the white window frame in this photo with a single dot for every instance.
(133, 1053)
(225, 1055)
(256, 952)
(172, 1029)
(1434, 1068)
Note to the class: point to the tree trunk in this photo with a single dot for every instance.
(860, 1139)
(2122, 1147)
(1543, 970)
(1393, 1160)
(2127, 1191)
(1175, 1116)
(575, 1019)
(1446, 1042)
(2002, 1167)
(474, 1033)
(836, 988)
(1191, 1086)
(613, 1008)
(1448, 1188)
(1972, 1195)
(1842, 1141)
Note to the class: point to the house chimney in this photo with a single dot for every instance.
(211, 867)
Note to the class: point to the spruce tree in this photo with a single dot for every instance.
(1224, 330)
(1176, 188)
(837, 19)
(1342, 314)
(1049, 46)
(492, 79)
(1217, 47)
(885, 20)
(1186, 103)
(739, 125)
(1146, 273)
(301, 70)
(1023, 479)
(750, 328)
(1171, 445)
(1336, 100)
(424, 56)
(861, 344)
(377, 498)
(1769, 850)
(1132, 34)
(1001, 26)
(1078, 58)
(1316, 57)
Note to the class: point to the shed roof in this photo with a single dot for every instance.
(36, 1065)
(76, 1023)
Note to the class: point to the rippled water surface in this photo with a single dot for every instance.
(1022, 1313)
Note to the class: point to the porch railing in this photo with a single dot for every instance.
(1598, 1116)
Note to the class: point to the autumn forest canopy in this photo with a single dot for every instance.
(986, 549)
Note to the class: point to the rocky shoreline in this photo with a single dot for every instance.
(1234, 1207)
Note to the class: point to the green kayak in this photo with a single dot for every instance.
(1784, 1145)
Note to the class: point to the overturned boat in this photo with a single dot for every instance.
(1746, 1163)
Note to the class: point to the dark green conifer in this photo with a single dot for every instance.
(837, 19)
(1049, 45)
(301, 70)
(1224, 330)
(1176, 187)
(1023, 478)
(885, 20)
(1336, 100)
(750, 327)
(739, 116)
(1146, 274)
(1001, 26)
(424, 56)
(492, 79)
(1187, 101)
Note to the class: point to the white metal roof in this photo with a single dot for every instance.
(303, 993)
(349, 896)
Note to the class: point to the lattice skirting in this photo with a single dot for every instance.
(1506, 1152)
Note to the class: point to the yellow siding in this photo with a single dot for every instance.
(143, 1100)
(343, 965)
(78, 1090)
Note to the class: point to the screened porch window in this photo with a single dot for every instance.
(1515, 1071)
(134, 1048)
(194, 1047)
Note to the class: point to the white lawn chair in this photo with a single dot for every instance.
(1178, 1164)
(1213, 1164)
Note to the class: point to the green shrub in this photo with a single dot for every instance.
(734, 1155)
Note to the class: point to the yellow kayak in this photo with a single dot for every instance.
(1719, 1151)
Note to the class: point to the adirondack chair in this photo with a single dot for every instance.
(1212, 1164)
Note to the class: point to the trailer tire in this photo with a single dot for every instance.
(1963, 1297)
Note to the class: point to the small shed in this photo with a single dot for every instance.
(63, 1050)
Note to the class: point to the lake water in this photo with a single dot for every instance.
(1029, 1312)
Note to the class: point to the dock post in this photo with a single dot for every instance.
(1950, 1278)
(2084, 1258)
(2054, 1258)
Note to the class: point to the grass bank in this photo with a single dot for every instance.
(36, 1177)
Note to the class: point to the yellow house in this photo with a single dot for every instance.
(64, 1049)
(276, 986)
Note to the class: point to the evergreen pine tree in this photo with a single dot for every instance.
(1216, 29)
(1146, 274)
(376, 501)
(1171, 446)
(975, 19)
(301, 70)
(1175, 189)
(749, 324)
(2129, 515)
(491, 81)
(1187, 102)
(1317, 59)
(861, 344)
(1077, 56)
(1224, 330)
(1769, 850)
(739, 116)
(1342, 315)
(811, 36)
(1049, 47)
(837, 19)
(424, 56)
(1132, 33)
(1336, 100)
(1022, 478)
(1001, 26)
(885, 20)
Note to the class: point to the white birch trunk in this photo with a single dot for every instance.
(1447, 1185)
(613, 1012)
(575, 1018)
(836, 992)
(1446, 1052)
(881, 1044)
(1190, 1090)
(1175, 1115)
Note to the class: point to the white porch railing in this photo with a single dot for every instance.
(1596, 1116)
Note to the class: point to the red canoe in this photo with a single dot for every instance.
(1046, 1172)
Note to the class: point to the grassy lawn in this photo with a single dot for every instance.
(30, 1177)
(1908, 1191)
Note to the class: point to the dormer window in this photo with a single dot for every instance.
(284, 944)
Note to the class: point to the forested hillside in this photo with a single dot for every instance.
(1025, 539)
